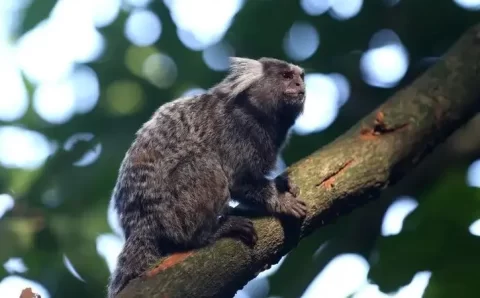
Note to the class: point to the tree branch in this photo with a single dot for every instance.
(343, 175)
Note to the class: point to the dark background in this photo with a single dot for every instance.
(59, 203)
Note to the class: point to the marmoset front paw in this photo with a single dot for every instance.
(285, 184)
(293, 188)
(290, 205)
(241, 228)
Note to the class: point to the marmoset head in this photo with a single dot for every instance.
(270, 85)
(282, 80)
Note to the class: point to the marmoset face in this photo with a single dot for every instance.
(282, 86)
(294, 86)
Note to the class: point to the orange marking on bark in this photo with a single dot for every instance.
(379, 128)
(28, 293)
(169, 262)
(367, 134)
(330, 179)
(384, 130)
(380, 117)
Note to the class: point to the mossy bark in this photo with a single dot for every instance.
(343, 175)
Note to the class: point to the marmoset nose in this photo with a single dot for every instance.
(296, 88)
(301, 87)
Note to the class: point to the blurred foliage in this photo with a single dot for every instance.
(435, 236)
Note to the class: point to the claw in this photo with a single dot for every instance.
(246, 232)
(293, 189)
(290, 205)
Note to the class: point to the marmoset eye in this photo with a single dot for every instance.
(287, 75)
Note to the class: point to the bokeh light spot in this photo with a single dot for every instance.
(143, 27)
(160, 70)
(393, 219)
(52, 198)
(473, 174)
(68, 264)
(91, 48)
(13, 95)
(193, 92)
(216, 57)
(242, 294)
(55, 102)
(385, 64)
(321, 104)
(343, 87)
(197, 26)
(301, 41)
(88, 157)
(189, 40)
(113, 220)
(135, 58)
(384, 37)
(49, 51)
(14, 4)
(474, 228)
(468, 4)
(274, 268)
(40, 56)
(86, 89)
(351, 269)
(104, 11)
(6, 203)
(257, 287)
(109, 247)
(12, 286)
(22, 148)
(315, 7)
(124, 97)
(345, 9)
(72, 26)
(138, 3)
(415, 289)
(320, 249)
(15, 265)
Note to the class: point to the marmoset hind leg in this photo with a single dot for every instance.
(188, 212)
(278, 196)
(199, 215)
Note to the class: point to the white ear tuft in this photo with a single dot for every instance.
(245, 65)
(242, 74)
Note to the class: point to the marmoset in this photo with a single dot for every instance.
(195, 153)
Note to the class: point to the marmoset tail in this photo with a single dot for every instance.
(195, 153)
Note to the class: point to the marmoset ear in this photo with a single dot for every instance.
(242, 73)
(239, 65)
